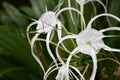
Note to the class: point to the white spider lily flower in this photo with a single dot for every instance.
(64, 72)
(46, 23)
(90, 42)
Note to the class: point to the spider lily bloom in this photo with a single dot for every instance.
(90, 42)
(46, 23)
(64, 72)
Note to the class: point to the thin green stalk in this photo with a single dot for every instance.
(69, 33)
(85, 70)
(109, 59)
(81, 21)
(44, 40)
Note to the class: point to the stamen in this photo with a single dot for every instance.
(88, 42)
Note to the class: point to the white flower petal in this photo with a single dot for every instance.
(78, 72)
(50, 70)
(89, 39)
(76, 78)
(83, 2)
(69, 8)
(71, 54)
(111, 49)
(49, 18)
(100, 15)
(48, 47)
(111, 28)
(28, 28)
(33, 54)
(47, 22)
(52, 35)
(59, 30)
(64, 38)
(63, 72)
(94, 58)
(60, 35)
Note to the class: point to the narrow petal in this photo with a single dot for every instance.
(52, 35)
(78, 72)
(57, 53)
(28, 28)
(100, 2)
(76, 78)
(50, 70)
(48, 47)
(69, 5)
(105, 36)
(100, 15)
(60, 35)
(69, 8)
(59, 30)
(111, 49)
(94, 58)
(70, 56)
(111, 28)
(68, 61)
(33, 54)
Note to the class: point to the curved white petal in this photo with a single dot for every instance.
(48, 47)
(64, 38)
(71, 54)
(33, 54)
(63, 72)
(94, 58)
(59, 30)
(49, 18)
(104, 36)
(52, 35)
(69, 5)
(100, 2)
(78, 72)
(68, 61)
(60, 35)
(69, 8)
(47, 74)
(28, 28)
(50, 70)
(111, 49)
(111, 28)
(76, 78)
(100, 15)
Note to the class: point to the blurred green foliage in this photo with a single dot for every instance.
(16, 61)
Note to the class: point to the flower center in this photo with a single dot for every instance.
(88, 42)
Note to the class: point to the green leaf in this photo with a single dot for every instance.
(16, 16)
(16, 60)
(38, 7)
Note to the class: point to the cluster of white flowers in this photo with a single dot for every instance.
(89, 41)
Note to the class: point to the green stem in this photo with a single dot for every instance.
(69, 33)
(81, 21)
(109, 59)
(44, 40)
(85, 70)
